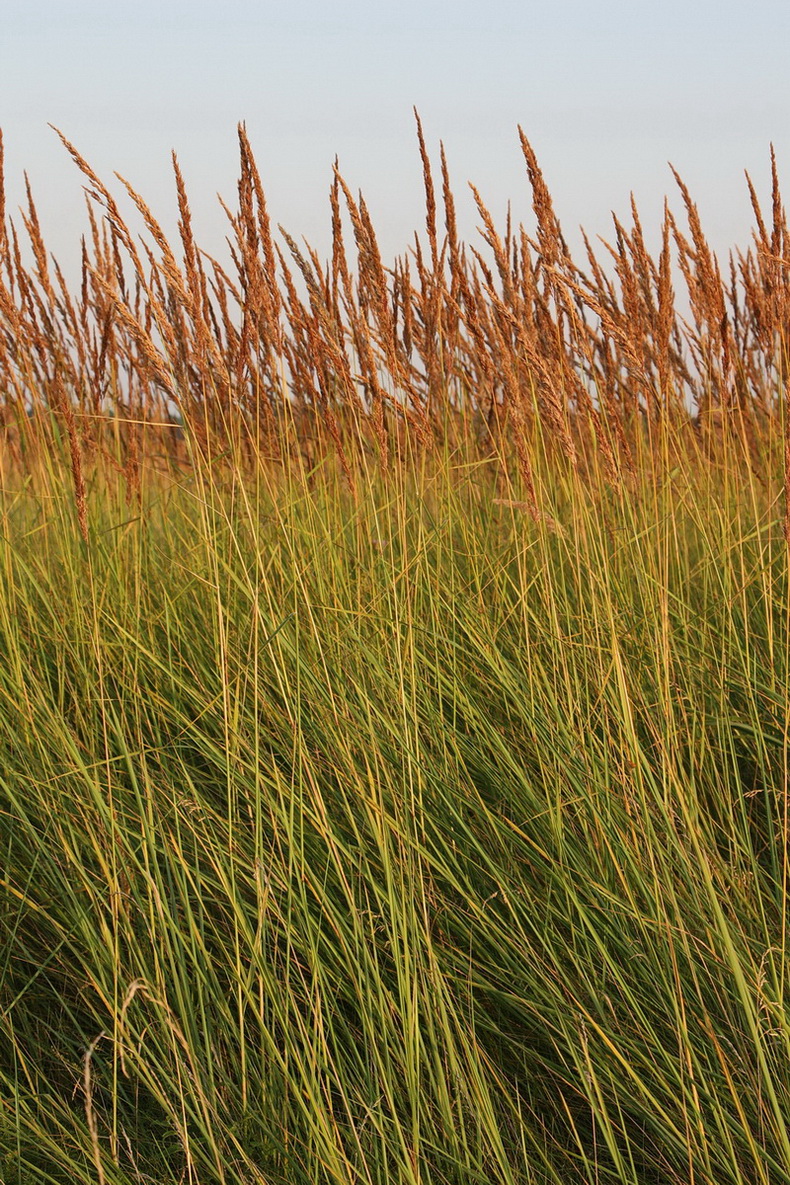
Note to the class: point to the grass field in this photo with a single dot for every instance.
(394, 705)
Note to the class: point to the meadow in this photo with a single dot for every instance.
(394, 701)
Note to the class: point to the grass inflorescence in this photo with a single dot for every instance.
(393, 706)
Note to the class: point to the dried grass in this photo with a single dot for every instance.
(510, 343)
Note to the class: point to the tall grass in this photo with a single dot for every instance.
(502, 342)
(393, 709)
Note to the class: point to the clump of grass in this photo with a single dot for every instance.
(393, 763)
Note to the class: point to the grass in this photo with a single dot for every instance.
(394, 789)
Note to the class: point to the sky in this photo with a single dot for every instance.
(607, 92)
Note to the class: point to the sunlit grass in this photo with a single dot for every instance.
(396, 836)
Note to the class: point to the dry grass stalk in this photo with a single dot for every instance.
(64, 406)
(430, 196)
(448, 338)
(786, 524)
(2, 196)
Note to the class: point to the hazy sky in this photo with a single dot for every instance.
(607, 92)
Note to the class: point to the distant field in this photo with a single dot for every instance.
(394, 704)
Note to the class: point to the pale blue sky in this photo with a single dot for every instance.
(607, 92)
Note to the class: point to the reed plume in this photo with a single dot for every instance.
(497, 339)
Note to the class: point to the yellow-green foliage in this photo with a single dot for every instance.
(393, 787)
